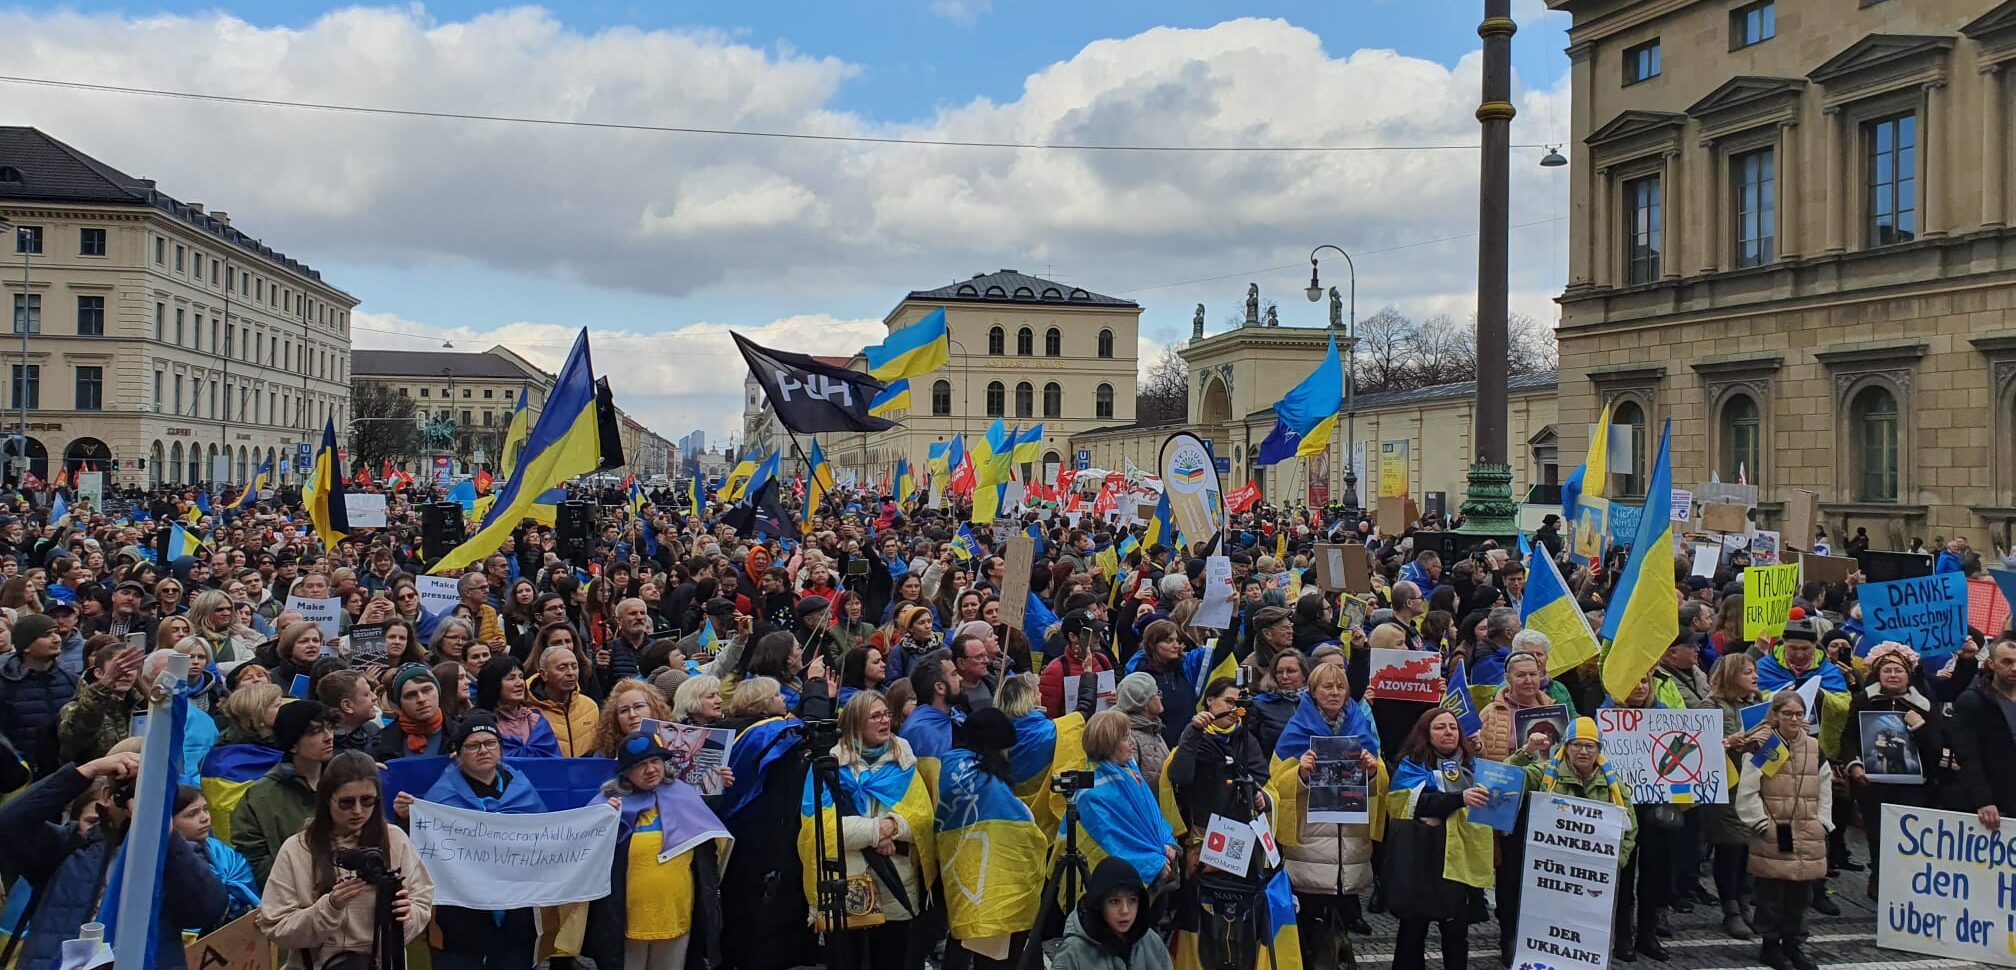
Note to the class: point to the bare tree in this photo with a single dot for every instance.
(1531, 345)
(1442, 351)
(387, 425)
(1382, 357)
(1164, 393)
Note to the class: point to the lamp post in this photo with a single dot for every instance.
(1315, 293)
(1488, 509)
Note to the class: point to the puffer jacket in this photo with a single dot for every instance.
(1081, 952)
(1499, 718)
(30, 703)
(1801, 795)
(573, 727)
(1329, 858)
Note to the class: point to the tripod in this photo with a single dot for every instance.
(831, 883)
(387, 933)
(1069, 873)
(1234, 916)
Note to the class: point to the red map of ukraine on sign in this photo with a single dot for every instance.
(1406, 675)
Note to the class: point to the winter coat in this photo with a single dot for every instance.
(1680, 689)
(1984, 745)
(1050, 684)
(308, 929)
(1929, 740)
(1150, 751)
(1800, 795)
(68, 869)
(1200, 779)
(1081, 952)
(1595, 788)
(30, 703)
(575, 727)
(95, 720)
(1269, 714)
(1500, 722)
(1413, 861)
(273, 810)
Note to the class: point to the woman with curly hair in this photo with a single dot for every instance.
(624, 713)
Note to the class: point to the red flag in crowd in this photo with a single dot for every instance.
(483, 482)
(962, 478)
(1240, 499)
(363, 477)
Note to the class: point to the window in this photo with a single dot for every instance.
(1053, 343)
(1628, 413)
(244, 393)
(216, 328)
(1025, 342)
(90, 388)
(27, 239)
(230, 277)
(424, 391)
(178, 326)
(25, 386)
(160, 320)
(1641, 63)
(90, 242)
(258, 346)
(1752, 24)
(9, 174)
(157, 392)
(1873, 417)
(488, 393)
(213, 272)
(198, 338)
(403, 392)
(1106, 345)
(465, 418)
(995, 342)
(1755, 175)
(1642, 229)
(181, 259)
(997, 403)
(1102, 402)
(160, 250)
(1053, 400)
(941, 398)
(1025, 400)
(213, 399)
(27, 313)
(196, 265)
(230, 340)
(1893, 179)
(90, 316)
(465, 392)
(1742, 439)
(508, 393)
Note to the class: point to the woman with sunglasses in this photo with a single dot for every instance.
(318, 914)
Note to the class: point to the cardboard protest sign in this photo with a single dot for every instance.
(1943, 885)
(1396, 515)
(1343, 567)
(1827, 569)
(1725, 518)
(1767, 599)
(1667, 756)
(1802, 515)
(1339, 790)
(1406, 675)
(1570, 880)
(1926, 613)
(482, 860)
(237, 945)
(321, 612)
(1017, 560)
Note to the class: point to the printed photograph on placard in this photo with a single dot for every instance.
(1888, 754)
(1548, 719)
(1337, 787)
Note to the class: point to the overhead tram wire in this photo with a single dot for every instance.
(720, 132)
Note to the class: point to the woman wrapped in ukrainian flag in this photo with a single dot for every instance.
(990, 851)
(1328, 863)
(1434, 854)
(1043, 747)
(1121, 815)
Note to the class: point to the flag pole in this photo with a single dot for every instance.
(811, 479)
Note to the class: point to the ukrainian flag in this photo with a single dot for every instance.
(1306, 417)
(764, 473)
(1579, 482)
(203, 498)
(182, 542)
(59, 509)
(564, 443)
(516, 431)
(262, 477)
(707, 640)
(820, 481)
(323, 495)
(993, 467)
(1642, 621)
(963, 544)
(1467, 846)
(893, 398)
(1549, 608)
(228, 770)
(889, 788)
(989, 852)
(934, 459)
(731, 487)
(1772, 756)
(913, 351)
(906, 480)
(1043, 748)
(1029, 445)
(696, 496)
(1162, 526)
(636, 500)
(1122, 817)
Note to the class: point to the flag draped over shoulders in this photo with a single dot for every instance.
(990, 852)
(1467, 847)
(1121, 818)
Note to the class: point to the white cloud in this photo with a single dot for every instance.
(965, 13)
(675, 215)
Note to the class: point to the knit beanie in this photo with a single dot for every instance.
(293, 722)
(407, 674)
(1135, 691)
(31, 627)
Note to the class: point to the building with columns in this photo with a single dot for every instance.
(1791, 236)
(152, 338)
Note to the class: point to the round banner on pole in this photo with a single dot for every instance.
(1196, 497)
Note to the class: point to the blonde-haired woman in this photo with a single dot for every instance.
(1120, 816)
(249, 713)
(698, 700)
(212, 617)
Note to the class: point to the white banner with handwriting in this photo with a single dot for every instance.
(482, 860)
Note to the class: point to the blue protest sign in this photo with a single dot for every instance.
(1623, 524)
(1506, 784)
(1926, 613)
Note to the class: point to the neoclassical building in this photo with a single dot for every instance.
(1792, 237)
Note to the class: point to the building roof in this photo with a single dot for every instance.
(833, 361)
(1545, 380)
(1131, 428)
(53, 172)
(369, 364)
(1015, 286)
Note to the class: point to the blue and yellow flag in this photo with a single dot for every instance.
(1643, 620)
(934, 459)
(738, 479)
(59, 509)
(1121, 817)
(182, 542)
(988, 849)
(1580, 482)
(891, 399)
(203, 497)
(1306, 417)
(262, 478)
(228, 770)
(323, 495)
(1029, 445)
(964, 545)
(993, 468)
(1162, 525)
(818, 481)
(913, 351)
(696, 494)
(564, 443)
(1043, 748)
(1549, 608)
(765, 471)
(707, 640)
(889, 788)
(516, 431)
(635, 500)
(906, 480)
(1772, 756)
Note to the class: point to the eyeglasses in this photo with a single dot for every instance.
(351, 803)
(879, 716)
(481, 745)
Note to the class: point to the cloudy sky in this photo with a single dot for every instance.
(661, 243)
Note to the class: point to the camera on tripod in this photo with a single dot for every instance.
(368, 864)
(1067, 782)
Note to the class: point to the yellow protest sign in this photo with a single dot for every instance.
(1767, 599)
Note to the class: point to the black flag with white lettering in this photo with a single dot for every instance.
(810, 396)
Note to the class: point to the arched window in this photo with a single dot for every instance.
(1873, 417)
(1053, 400)
(996, 341)
(175, 464)
(1025, 342)
(941, 398)
(1742, 439)
(1102, 402)
(1630, 414)
(1106, 344)
(997, 399)
(1025, 400)
(1053, 342)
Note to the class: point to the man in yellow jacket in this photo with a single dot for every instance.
(556, 691)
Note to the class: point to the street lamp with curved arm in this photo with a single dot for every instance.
(1315, 293)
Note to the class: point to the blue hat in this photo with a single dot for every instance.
(638, 748)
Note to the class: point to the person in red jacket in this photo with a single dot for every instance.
(1084, 642)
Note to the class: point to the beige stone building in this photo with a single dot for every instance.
(477, 391)
(1025, 349)
(1791, 236)
(159, 337)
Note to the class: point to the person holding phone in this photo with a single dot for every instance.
(1788, 812)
